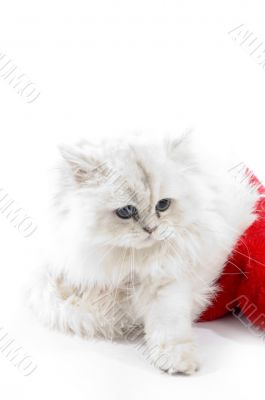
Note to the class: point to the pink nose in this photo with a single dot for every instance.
(148, 229)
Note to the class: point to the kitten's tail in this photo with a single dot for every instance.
(54, 311)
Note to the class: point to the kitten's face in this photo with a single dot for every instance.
(134, 195)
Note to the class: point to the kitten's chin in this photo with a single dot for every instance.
(138, 244)
(147, 242)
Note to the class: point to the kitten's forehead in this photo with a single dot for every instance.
(138, 180)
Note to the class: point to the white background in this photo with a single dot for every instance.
(115, 67)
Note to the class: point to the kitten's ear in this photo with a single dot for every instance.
(83, 161)
(180, 148)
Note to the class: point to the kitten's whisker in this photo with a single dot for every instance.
(240, 239)
(225, 248)
(107, 240)
(231, 273)
(132, 268)
(108, 250)
(235, 250)
(191, 273)
(188, 168)
(120, 272)
(239, 269)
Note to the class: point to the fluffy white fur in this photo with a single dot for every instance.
(105, 276)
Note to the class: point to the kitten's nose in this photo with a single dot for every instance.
(148, 229)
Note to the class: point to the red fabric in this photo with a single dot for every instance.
(242, 283)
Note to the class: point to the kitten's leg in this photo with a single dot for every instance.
(60, 312)
(168, 328)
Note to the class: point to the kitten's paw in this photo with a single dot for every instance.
(177, 358)
(72, 320)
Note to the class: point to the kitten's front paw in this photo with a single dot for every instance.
(175, 358)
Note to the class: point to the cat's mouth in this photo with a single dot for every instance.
(148, 238)
(144, 242)
(148, 241)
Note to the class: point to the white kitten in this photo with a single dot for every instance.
(141, 231)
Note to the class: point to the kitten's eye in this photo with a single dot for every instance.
(126, 212)
(163, 205)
